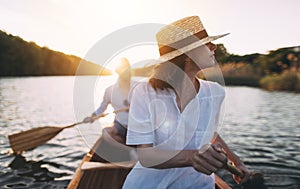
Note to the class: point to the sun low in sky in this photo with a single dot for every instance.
(73, 27)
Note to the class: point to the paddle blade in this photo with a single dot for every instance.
(32, 138)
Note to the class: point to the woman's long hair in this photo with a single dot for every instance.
(167, 74)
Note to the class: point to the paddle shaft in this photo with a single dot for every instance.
(255, 180)
(32, 138)
(98, 116)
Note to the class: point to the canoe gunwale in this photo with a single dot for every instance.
(117, 170)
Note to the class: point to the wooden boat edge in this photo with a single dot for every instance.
(78, 173)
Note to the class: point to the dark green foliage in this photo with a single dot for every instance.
(223, 56)
(21, 58)
(242, 81)
(275, 61)
(277, 70)
(221, 53)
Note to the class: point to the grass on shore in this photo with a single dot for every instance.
(287, 81)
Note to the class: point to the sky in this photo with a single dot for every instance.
(74, 26)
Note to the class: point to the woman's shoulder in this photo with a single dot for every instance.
(214, 88)
(110, 88)
(142, 87)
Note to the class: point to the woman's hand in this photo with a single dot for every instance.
(90, 119)
(245, 173)
(235, 159)
(209, 159)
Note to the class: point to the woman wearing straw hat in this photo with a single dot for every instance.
(174, 116)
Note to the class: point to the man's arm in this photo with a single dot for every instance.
(105, 101)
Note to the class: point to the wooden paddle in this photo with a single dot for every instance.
(232, 169)
(256, 179)
(27, 140)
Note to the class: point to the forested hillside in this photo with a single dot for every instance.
(22, 58)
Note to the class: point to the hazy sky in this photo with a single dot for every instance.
(74, 26)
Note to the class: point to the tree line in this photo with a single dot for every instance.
(22, 58)
(274, 62)
(276, 70)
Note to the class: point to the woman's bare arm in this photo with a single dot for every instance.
(206, 160)
(162, 159)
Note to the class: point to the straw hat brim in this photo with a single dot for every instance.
(180, 51)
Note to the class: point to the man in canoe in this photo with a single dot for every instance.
(117, 96)
(174, 117)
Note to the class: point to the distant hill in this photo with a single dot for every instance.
(22, 58)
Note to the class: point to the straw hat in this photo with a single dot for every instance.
(182, 36)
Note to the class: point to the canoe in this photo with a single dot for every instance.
(96, 172)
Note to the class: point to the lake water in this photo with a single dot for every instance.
(262, 127)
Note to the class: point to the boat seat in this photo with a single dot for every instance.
(104, 175)
(102, 166)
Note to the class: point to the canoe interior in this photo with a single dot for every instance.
(102, 178)
(109, 178)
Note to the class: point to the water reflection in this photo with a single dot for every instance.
(263, 128)
(31, 174)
